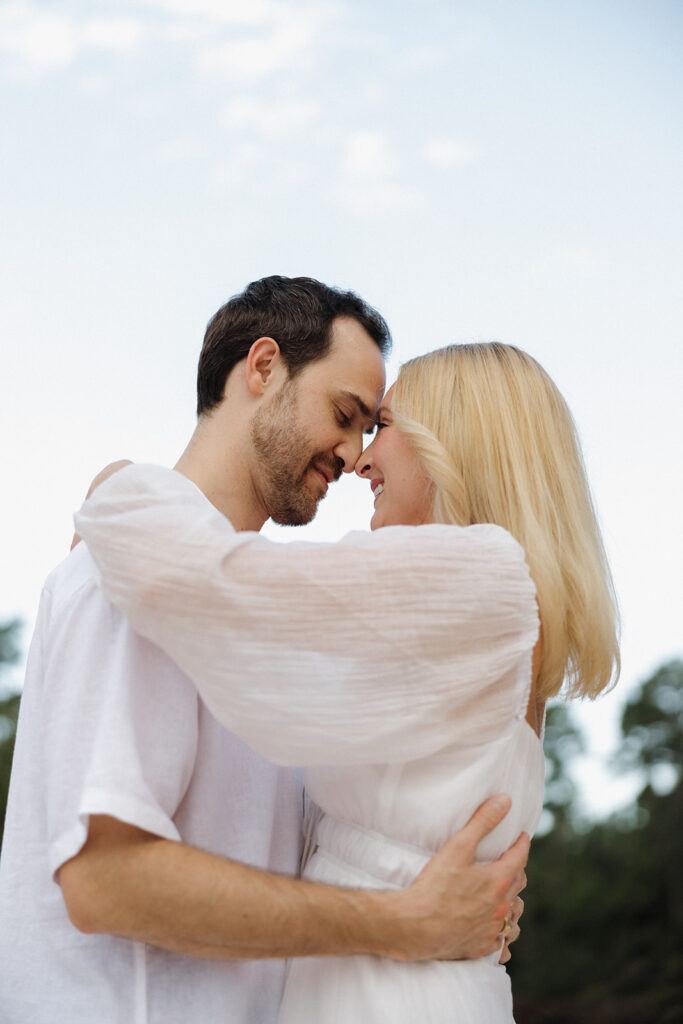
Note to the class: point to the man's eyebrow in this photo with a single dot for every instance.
(362, 408)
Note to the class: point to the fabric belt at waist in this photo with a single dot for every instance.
(392, 863)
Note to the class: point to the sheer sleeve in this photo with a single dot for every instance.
(382, 647)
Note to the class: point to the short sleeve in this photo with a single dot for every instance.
(118, 722)
(383, 647)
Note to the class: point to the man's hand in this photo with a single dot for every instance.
(455, 909)
(103, 475)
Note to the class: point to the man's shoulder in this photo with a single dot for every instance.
(72, 604)
(76, 573)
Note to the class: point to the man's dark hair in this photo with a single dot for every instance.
(297, 312)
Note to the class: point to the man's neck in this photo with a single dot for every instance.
(215, 462)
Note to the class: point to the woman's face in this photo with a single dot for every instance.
(403, 493)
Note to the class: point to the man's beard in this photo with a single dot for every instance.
(280, 444)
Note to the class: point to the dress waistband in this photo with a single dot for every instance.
(391, 863)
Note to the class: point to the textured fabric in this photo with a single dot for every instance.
(383, 647)
(109, 725)
(398, 671)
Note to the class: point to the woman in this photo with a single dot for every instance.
(407, 670)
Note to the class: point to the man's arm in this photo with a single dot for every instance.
(129, 883)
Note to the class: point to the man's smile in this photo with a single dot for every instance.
(322, 474)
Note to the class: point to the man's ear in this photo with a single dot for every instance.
(265, 366)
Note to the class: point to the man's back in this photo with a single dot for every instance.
(110, 726)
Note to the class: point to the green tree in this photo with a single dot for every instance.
(9, 712)
(562, 742)
(652, 729)
(652, 724)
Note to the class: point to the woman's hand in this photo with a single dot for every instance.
(103, 475)
(516, 912)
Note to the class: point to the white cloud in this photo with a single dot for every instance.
(249, 40)
(243, 41)
(255, 57)
(227, 12)
(39, 39)
(451, 152)
(120, 35)
(368, 175)
(48, 41)
(270, 118)
(368, 155)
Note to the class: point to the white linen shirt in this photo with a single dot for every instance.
(109, 725)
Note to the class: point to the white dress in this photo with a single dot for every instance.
(395, 666)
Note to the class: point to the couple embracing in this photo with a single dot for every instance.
(154, 832)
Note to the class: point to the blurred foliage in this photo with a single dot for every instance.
(652, 726)
(9, 712)
(602, 933)
(562, 742)
(9, 650)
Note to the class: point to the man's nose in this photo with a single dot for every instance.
(350, 452)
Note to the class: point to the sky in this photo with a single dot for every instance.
(477, 171)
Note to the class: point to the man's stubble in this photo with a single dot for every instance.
(285, 454)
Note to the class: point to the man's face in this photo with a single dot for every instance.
(312, 428)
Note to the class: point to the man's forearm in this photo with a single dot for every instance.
(129, 883)
(185, 900)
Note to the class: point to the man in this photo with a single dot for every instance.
(176, 846)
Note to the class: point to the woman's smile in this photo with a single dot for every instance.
(395, 472)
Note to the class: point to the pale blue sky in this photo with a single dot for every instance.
(489, 170)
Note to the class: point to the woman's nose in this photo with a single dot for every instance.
(364, 464)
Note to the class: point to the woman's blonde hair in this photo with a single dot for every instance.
(498, 442)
